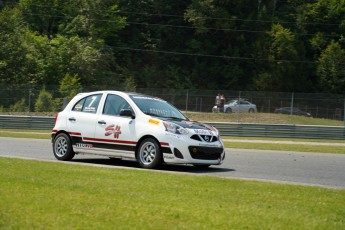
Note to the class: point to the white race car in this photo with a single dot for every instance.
(129, 125)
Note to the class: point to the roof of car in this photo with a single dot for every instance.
(121, 92)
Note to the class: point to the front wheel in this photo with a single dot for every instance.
(62, 147)
(228, 110)
(149, 154)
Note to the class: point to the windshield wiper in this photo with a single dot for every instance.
(152, 114)
(176, 118)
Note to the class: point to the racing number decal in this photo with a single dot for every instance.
(93, 100)
(112, 129)
(91, 107)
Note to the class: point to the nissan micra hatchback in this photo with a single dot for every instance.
(129, 125)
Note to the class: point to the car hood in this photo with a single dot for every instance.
(189, 124)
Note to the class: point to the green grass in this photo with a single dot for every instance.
(20, 133)
(46, 195)
(300, 147)
(282, 139)
(286, 147)
(263, 118)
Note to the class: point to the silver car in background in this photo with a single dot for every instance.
(242, 106)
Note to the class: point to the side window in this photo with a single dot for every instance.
(114, 104)
(88, 104)
(79, 105)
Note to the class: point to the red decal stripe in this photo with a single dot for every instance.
(74, 133)
(110, 141)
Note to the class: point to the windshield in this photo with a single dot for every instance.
(157, 107)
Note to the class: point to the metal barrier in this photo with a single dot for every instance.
(26, 122)
(225, 129)
(287, 131)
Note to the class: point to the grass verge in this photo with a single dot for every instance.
(286, 147)
(38, 134)
(41, 195)
(264, 118)
(299, 145)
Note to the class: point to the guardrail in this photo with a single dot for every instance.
(289, 131)
(26, 122)
(225, 129)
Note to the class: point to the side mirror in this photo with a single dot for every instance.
(127, 113)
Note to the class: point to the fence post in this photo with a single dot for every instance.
(187, 100)
(238, 109)
(29, 99)
(291, 112)
(200, 104)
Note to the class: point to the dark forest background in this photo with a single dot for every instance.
(254, 45)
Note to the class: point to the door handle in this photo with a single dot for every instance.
(71, 119)
(102, 122)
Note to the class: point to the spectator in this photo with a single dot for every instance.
(222, 103)
(218, 101)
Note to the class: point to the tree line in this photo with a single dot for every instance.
(263, 45)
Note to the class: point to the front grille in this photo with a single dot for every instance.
(205, 153)
(207, 138)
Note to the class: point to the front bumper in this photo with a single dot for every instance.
(186, 150)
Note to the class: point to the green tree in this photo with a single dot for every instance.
(44, 102)
(331, 69)
(284, 71)
(42, 16)
(68, 37)
(19, 106)
(203, 44)
(51, 59)
(12, 52)
(129, 84)
(70, 86)
(95, 19)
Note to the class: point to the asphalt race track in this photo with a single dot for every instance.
(315, 169)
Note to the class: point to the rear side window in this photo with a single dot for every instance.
(88, 104)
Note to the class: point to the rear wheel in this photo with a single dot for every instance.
(149, 154)
(228, 110)
(62, 147)
(251, 111)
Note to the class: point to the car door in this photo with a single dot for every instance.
(81, 120)
(244, 106)
(114, 133)
(235, 106)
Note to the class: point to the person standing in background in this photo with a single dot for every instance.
(217, 102)
(222, 103)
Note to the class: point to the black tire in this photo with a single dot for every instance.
(228, 110)
(62, 147)
(149, 154)
(251, 111)
(201, 166)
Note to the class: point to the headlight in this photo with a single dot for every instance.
(174, 128)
